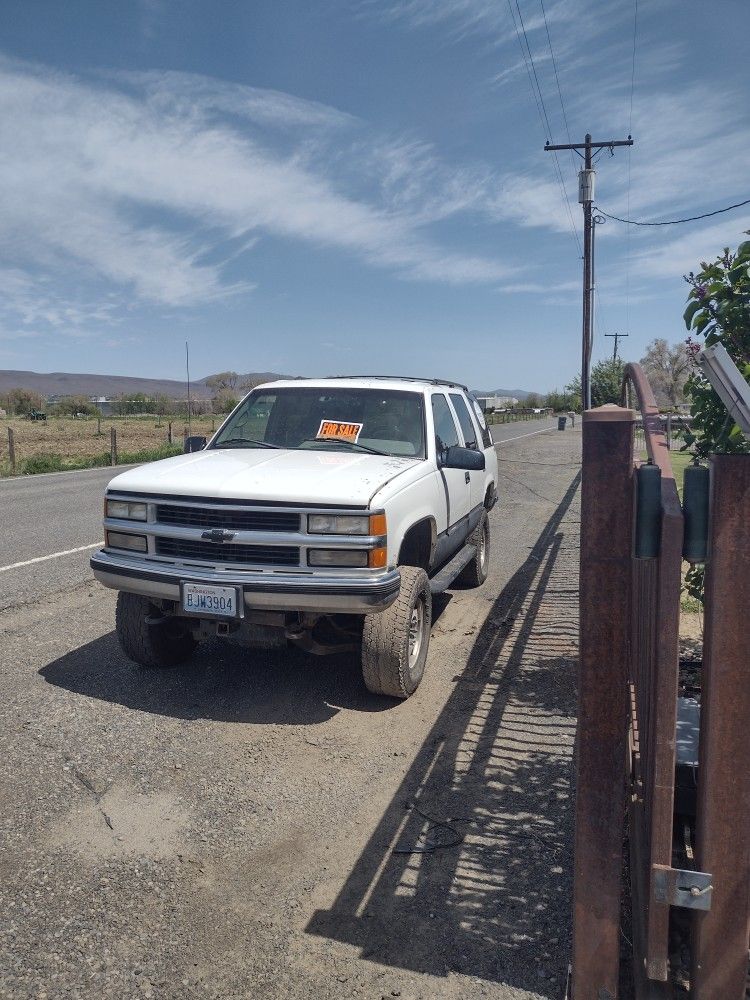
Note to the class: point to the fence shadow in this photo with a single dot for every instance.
(499, 762)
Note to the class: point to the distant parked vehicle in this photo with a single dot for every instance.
(36, 415)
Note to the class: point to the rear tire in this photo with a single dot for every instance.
(395, 642)
(166, 644)
(476, 571)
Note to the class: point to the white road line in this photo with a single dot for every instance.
(530, 434)
(54, 555)
(114, 469)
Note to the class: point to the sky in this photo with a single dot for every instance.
(357, 186)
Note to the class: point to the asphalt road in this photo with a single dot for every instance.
(52, 523)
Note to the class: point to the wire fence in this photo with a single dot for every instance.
(512, 416)
(673, 426)
(58, 444)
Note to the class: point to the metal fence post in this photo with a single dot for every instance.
(605, 599)
(112, 446)
(12, 449)
(720, 935)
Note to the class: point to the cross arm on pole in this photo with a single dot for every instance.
(590, 145)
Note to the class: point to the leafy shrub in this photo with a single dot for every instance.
(719, 311)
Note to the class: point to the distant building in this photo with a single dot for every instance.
(490, 403)
(103, 405)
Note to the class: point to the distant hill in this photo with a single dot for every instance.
(68, 384)
(517, 393)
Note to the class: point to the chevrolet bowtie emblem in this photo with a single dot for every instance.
(218, 535)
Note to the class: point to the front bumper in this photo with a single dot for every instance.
(270, 590)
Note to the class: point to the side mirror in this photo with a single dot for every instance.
(457, 457)
(194, 443)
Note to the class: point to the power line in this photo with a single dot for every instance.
(542, 111)
(565, 122)
(557, 77)
(674, 222)
(630, 132)
(533, 68)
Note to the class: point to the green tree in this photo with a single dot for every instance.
(719, 311)
(68, 406)
(561, 401)
(667, 367)
(223, 381)
(224, 401)
(20, 401)
(606, 382)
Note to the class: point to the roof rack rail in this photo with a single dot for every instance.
(408, 378)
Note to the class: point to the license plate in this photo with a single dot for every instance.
(211, 602)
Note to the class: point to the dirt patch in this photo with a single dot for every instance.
(120, 822)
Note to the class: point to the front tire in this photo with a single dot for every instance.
(476, 572)
(395, 642)
(150, 646)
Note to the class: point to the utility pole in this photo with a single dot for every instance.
(187, 369)
(617, 336)
(586, 197)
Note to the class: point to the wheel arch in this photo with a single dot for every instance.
(418, 544)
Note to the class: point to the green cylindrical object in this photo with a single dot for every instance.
(648, 512)
(695, 499)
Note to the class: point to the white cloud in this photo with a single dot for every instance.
(680, 254)
(143, 182)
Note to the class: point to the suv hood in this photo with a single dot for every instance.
(303, 477)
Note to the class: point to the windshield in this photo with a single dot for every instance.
(357, 420)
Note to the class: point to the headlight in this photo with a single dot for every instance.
(338, 524)
(119, 540)
(337, 557)
(125, 509)
(346, 524)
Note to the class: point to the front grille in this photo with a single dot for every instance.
(265, 555)
(232, 520)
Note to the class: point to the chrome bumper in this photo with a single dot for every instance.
(276, 591)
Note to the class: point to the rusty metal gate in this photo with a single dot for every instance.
(630, 587)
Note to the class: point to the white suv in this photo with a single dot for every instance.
(330, 510)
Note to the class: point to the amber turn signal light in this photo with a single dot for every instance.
(378, 558)
(378, 524)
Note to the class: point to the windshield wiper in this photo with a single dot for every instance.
(351, 444)
(244, 443)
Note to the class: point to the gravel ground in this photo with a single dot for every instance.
(236, 828)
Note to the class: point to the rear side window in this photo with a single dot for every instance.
(484, 429)
(468, 429)
(446, 433)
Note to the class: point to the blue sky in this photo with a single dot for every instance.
(354, 185)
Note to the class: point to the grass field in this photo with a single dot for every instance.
(680, 461)
(61, 443)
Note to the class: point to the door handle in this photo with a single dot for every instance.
(467, 477)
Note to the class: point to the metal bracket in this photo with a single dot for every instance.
(680, 887)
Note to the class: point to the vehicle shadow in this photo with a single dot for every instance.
(225, 683)
(499, 762)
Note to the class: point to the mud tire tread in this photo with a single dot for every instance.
(149, 647)
(474, 574)
(385, 639)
